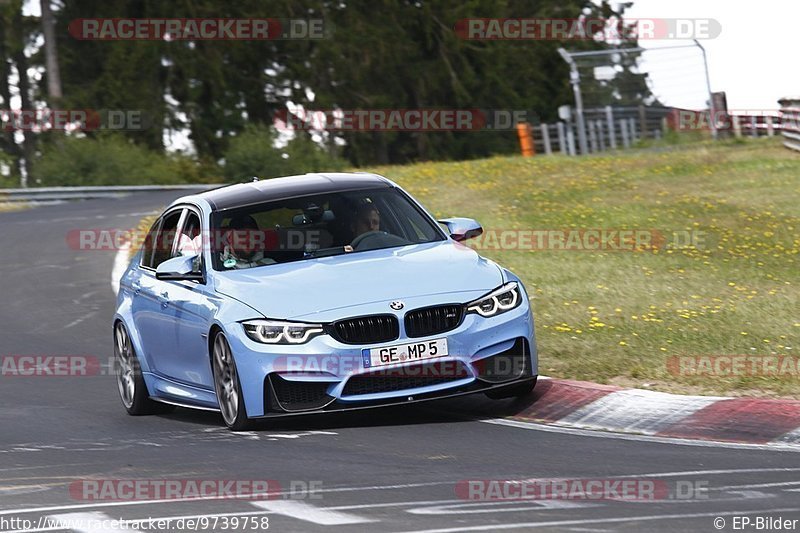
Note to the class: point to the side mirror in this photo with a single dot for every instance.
(179, 269)
(461, 229)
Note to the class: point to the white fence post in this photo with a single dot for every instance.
(770, 127)
(592, 136)
(562, 142)
(571, 141)
(546, 139)
(623, 128)
(600, 135)
(610, 122)
(737, 127)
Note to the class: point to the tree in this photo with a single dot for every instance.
(21, 36)
(408, 57)
(51, 53)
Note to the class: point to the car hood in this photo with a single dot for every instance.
(324, 288)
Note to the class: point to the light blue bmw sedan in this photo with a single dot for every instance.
(315, 293)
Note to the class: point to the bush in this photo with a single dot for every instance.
(12, 180)
(190, 170)
(9, 182)
(114, 160)
(251, 153)
(111, 160)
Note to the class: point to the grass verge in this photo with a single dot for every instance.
(624, 317)
(12, 206)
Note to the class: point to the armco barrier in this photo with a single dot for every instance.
(50, 194)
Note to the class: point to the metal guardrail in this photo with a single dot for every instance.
(790, 116)
(51, 194)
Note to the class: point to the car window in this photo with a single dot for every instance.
(165, 238)
(276, 217)
(149, 245)
(190, 240)
(301, 228)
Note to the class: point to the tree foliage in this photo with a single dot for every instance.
(249, 155)
(377, 54)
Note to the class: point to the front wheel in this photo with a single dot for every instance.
(130, 383)
(227, 386)
(520, 390)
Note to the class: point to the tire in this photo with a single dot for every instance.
(130, 383)
(227, 386)
(518, 390)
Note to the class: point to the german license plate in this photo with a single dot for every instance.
(403, 353)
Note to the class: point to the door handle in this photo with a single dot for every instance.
(164, 299)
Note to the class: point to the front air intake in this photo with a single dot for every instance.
(366, 329)
(433, 320)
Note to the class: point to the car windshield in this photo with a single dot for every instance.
(295, 229)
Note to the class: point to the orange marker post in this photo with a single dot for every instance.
(526, 139)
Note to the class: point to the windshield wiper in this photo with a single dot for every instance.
(325, 252)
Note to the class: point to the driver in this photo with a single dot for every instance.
(367, 219)
(241, 239)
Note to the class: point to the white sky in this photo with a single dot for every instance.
(754, 60)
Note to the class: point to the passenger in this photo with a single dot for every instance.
(243, 244)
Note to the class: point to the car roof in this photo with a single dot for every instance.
(254, 192)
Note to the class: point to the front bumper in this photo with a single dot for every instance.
(325, 375)
(338, 407)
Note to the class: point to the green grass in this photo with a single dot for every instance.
(617, 317)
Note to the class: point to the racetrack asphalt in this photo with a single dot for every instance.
(395, 469)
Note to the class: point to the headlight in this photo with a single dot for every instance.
(503, 299)
(280, 332)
